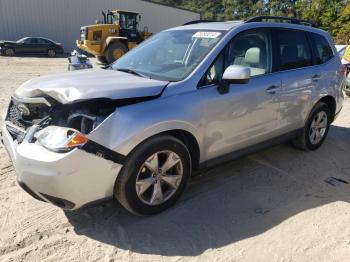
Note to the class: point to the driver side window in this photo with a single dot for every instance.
(30, 41)
(251, 48)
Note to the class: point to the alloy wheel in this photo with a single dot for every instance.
(51, 53)
(318, 128)
(9, 52)
(159, 178)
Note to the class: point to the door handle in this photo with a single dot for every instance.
(272, 89)
(315, 78)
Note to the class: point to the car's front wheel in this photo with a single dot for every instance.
(316, 128)
(154, 176)
(9, 52)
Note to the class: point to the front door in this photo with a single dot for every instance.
(248, 113)
(29, 46)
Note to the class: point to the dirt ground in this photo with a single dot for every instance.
(274, 205)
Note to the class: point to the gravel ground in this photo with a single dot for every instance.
(270, 206)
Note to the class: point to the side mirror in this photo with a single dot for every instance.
(234, 74)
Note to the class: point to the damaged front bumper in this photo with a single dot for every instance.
(69, 180)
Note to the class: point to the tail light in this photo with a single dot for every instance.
(60, 45)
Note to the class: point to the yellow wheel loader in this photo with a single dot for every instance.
(113, 37)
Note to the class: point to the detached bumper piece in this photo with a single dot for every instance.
(104, 152)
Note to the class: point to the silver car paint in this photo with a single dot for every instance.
(220, 123)
(220, 127)
(90, 83)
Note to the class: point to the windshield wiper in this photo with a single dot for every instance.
(131, 71)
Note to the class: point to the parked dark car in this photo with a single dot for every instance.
(31, 45)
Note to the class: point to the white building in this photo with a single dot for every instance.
(60, 20)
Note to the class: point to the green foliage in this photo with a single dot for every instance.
(332, 15)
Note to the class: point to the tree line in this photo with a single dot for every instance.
(331, 15)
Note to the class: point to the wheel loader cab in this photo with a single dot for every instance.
(128, 25)
(113, 37)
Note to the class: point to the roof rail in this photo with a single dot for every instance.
(199, 21)
(280, 19)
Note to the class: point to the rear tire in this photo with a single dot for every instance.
(137, 186)
(316, 128)
(51, 53)
(115, 51)
(9, 52)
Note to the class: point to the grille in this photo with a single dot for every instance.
(14, 116)
(20, 123)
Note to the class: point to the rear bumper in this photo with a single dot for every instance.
(68, 180)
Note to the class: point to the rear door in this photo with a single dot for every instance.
(323, 54)
(299, 76)
(44, 45)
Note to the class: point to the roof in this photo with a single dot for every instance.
(229, 25)
(222, 26)
(123, 11)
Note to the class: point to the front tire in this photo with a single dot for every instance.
(9, 52)
(316, 128)
(115, 51)
(155, 175)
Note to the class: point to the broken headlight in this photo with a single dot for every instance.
(60, 139)
(83, 116)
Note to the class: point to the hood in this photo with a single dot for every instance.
(90, 83)
(3, 42)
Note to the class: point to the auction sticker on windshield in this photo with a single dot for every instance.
(207, 34)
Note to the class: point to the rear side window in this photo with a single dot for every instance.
(322, 49)
(293, 50)
(43, 41)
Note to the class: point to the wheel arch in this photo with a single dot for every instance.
(190, 142)
(187, 137)
(331, 103)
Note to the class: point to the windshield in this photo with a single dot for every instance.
(170, 55)
(21, 40)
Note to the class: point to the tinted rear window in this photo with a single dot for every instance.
(293, 48)
(322, 49)
(43, 41)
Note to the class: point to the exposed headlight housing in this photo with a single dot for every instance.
(60, 139)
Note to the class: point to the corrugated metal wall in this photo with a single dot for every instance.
(61, 20)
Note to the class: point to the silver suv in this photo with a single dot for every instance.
(188, 97)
